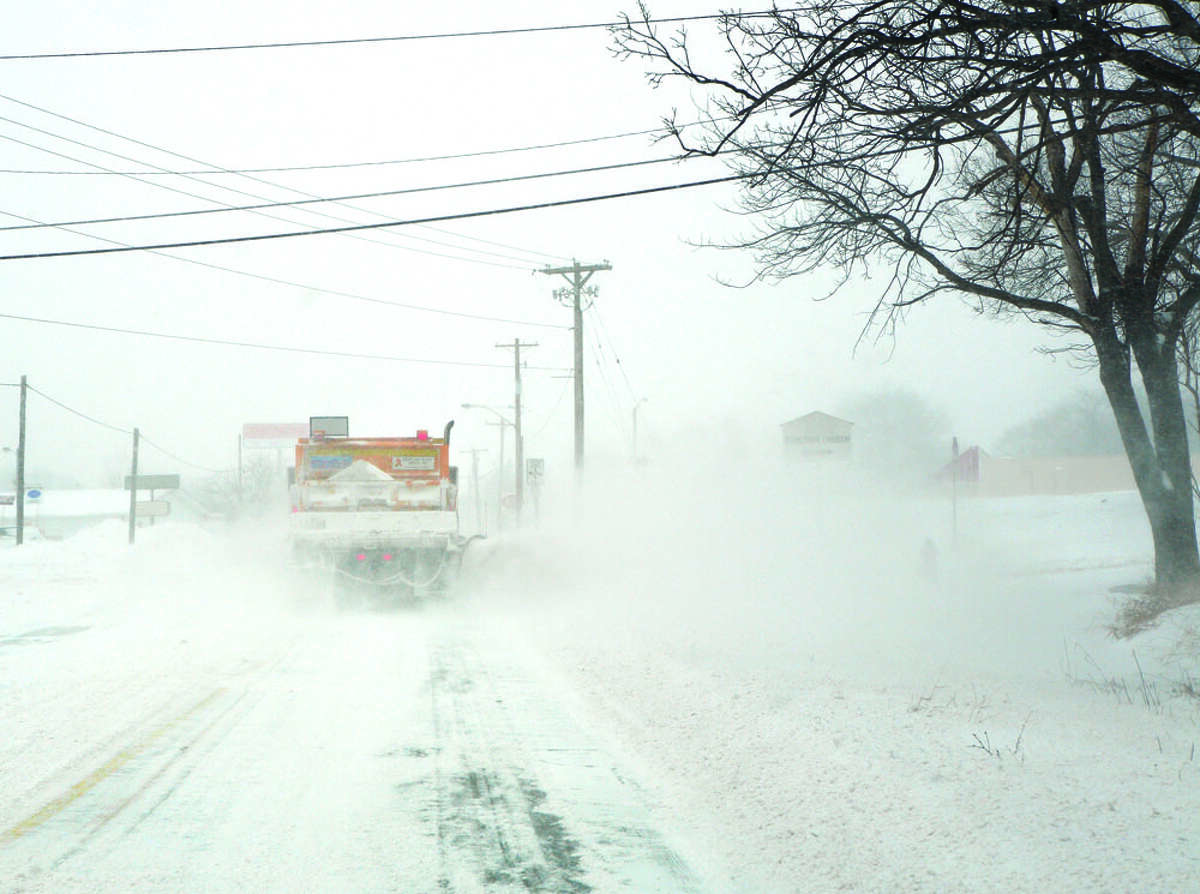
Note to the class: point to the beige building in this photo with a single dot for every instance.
(978, 473)
(817, 435)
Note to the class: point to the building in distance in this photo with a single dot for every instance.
(817, 436)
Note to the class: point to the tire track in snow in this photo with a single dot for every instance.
(526, 799)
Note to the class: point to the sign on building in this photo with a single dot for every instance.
(268, 435)
(329, 426)
(817, 435)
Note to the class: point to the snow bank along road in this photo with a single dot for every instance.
(170, 730)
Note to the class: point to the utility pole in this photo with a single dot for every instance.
(577, 275)
(21, 467)
(635, 433)
(475, 451)
(516, 346)
(503, 423)
(133, 489)
(954, 488)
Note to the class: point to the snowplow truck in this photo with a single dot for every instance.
(380, 511)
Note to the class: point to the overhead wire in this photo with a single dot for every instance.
(466, 215)
(353, 355)
(233, 189)
(178, 459)
(262, 277)
(614, 408)
(194, 160)
(612, 348)
(562, 392)
(81, 415)
(343, 165)
(369, 195)
(283, 219)
(443, 35)
(125, 431)
(353, 296)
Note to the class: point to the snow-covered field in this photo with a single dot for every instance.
(737, 691)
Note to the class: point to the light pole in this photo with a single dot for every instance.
(504, 422)
(9, 451)
(635, 415)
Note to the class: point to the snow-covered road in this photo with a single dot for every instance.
(406, 751)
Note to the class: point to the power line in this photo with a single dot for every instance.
(465, 215)
(341, 165)
(265, 347)
(528, 251)
(353, 296)
(180, 155)
(92, 419)
(367, 195)
(117, 428)
(495, 32)
(228, 205)
(179, 459)
(603, 328)
(598, 357)
(562, 392)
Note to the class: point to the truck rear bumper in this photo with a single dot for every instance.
(332, 531)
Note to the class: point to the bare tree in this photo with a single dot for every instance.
(1034, 157)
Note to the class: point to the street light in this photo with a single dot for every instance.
(503, 418)
(635, 433)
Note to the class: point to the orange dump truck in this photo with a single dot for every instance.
(378, 510)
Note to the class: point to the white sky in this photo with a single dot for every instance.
(700, 354)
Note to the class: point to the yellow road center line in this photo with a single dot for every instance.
(89, 782)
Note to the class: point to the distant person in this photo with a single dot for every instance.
(929, 561)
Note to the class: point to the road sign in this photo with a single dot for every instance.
(153, 482)
(328, 426)
(32, 494)
(535, 468)
(153, 508)
(264, 435)
(8, 499)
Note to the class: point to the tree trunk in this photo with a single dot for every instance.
(1162, 465)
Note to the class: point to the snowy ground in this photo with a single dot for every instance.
(746, 693)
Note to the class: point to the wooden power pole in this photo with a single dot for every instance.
(133, 488)
(503, 424)
(577, 275)
(516, 346)
(480, 523)
(21, 466)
